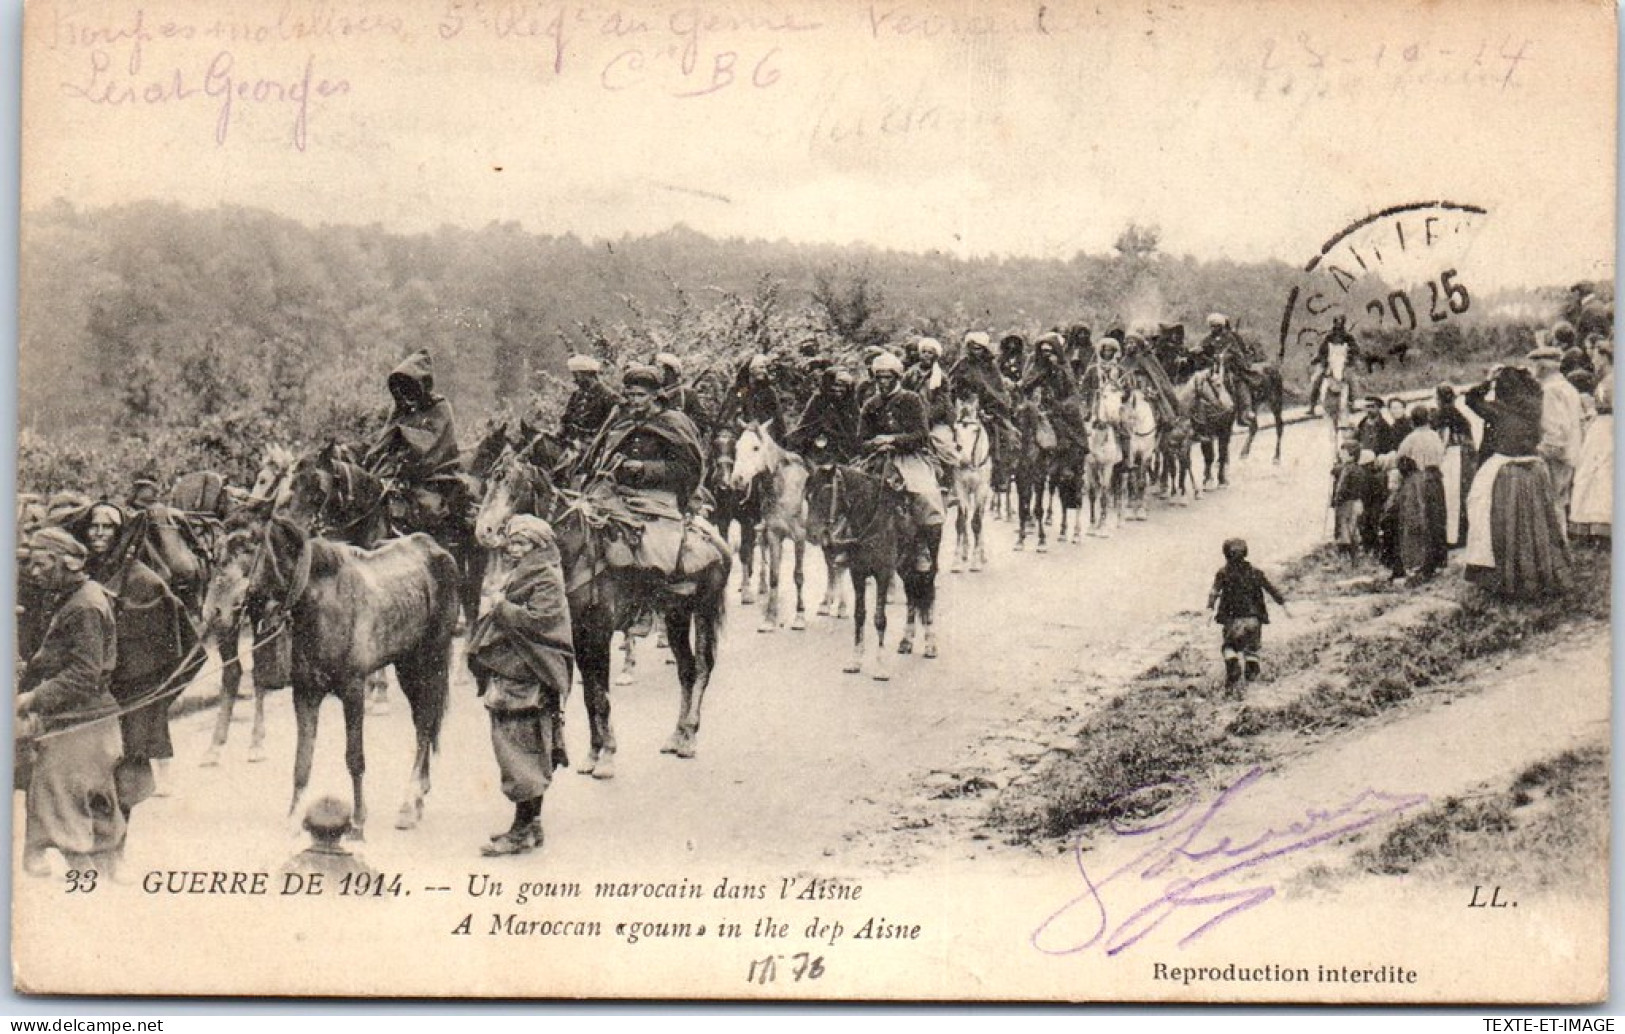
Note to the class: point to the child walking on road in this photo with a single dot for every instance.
(1238, 592)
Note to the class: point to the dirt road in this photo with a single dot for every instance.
(797, 760)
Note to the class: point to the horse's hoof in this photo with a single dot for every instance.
(840, 612)
(408, 817)
(881, 676)
(956, 569)
(356, 832)
(823, 610)
(605, 768)
(671, 745)
(210, 760)
(1020, 546)
(685, 750)
(256, 755)
(906, 646)
(587, 766)
(799, 623)
(1276, 461)
(1041, 548)
(625, 678)
(853, 669)
(930, 651)
(975, 568)
(746, 600)
(767, 626)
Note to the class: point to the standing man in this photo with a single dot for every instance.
(64, 695)
(155, 637)
(1560, 423)
(522, 657)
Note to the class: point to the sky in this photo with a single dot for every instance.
(1242, 129)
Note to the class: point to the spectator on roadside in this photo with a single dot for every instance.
(1560, 423)
(1591, 510)
(1516, 546)
(1420, 502)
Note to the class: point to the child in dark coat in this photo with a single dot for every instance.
(1238, 592)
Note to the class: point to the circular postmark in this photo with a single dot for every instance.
(1403, 269)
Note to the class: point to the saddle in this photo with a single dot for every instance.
(643, 530)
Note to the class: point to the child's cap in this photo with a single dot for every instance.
(328, 818)
(1235, 549)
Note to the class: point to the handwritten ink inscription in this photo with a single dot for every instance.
(1185, 876)
(1305, 64)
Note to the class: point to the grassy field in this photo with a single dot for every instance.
(1359, 649)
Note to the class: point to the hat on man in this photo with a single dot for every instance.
(1544, 353)
(639, 375)
(60, 544)
(669, 361)
(930, 346)
(759, 362)
(1051, 341)
(885, 362)
(978, 339)
(582, 364)
(530, 528)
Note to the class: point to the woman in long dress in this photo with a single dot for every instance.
(1516, 545)
(1591, 510)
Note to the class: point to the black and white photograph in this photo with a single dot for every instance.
(815, 500)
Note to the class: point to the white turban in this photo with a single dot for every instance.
(978, 337)
(930, 346)
(885, 362)
(582, 364)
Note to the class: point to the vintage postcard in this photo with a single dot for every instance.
(816, 499)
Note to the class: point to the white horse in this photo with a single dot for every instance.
(1105, 453)
(973, 484)
(784, 513)
(1138, 419)
(1335, 390)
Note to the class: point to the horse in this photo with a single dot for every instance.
(780, 477)
(972, 473)
(600, 596)
(1105, 457)
(351, 612)
(1034, 459)
(1265, 389)
(1213, 418)
(1335, 391)
(1138, 421)
(225, 605)
(862, 515)
(734, 506)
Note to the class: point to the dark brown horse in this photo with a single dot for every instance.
(876, 539)
(1034, 462)
(601, 596)
(351, 612)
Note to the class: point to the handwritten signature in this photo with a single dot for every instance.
(1186, 874)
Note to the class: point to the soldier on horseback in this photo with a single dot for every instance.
(1337, 337)
(589, 405)
(756, 400)
(926, 379)
(1223, 344)
(893, 427)
(1012, 357)
(831, 414)
(643, 471)
(419, 447)
(674, 394)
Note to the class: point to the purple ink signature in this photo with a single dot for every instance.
(1185, 875)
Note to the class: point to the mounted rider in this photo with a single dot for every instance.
(1012, 357)
(832, 414)
(590, 404)
(1337, 344)
(642, 473)
(1050, 384)
(927, 380)
(419, 447)
(755, 400)
(1224, 344)
(894, 432)
(674, 394)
